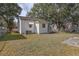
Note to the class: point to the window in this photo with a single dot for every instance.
(43, 25)
(30, 25)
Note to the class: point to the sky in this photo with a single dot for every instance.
(26, 7)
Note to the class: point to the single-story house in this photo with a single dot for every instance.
(32, 25)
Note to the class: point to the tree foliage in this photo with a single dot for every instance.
(58, 13)
(8, 11)
(55, 11)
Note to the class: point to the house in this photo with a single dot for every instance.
(32, 25)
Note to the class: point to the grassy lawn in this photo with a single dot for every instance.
(11, 36)
(43, 44)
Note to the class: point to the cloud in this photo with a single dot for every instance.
(26, 7)
(23, 13)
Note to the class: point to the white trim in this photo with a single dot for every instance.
(20, 26)
(37, 28)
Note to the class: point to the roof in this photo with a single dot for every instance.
(25, 18)
(32, 19)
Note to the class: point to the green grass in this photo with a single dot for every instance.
(11, 36)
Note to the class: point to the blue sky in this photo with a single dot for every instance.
(26, 7)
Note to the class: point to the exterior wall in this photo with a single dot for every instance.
(36, 27)
(43, 30)
(25, 26)
(19, 28)
(33, 29)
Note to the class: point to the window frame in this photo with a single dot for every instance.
(30, 25)
(43, 25)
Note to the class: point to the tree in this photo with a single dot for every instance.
(8, 11)
(43, 11)
(47, 11)
(58, 13)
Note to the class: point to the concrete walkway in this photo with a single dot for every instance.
(72, 41)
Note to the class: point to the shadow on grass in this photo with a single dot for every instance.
(72, 32)
(10, 36)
